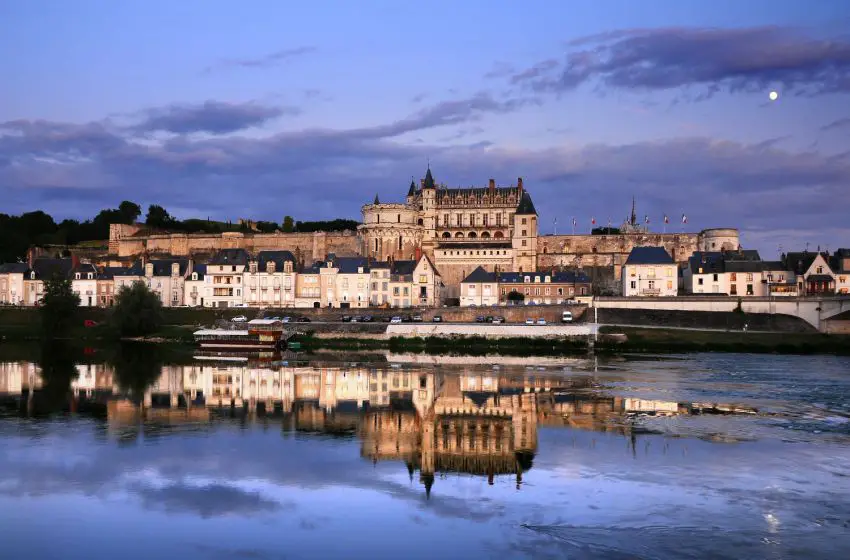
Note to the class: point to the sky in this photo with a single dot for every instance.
(269, 108)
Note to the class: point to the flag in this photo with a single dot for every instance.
(574, 222)
(666, 219)
(593, 220)
(646, 219)
(684, 219)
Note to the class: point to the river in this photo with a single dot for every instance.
(128, 455)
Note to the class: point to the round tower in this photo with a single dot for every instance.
(719, 239)
(390, 231)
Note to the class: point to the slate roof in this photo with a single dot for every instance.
(345, 265)
(109, 272)
(277, 257)
(800, 262)
(136, 269)
(200, 270)
(45, 268)
(711, 262)
(14, 268)
(564, 277)
(230, 256)
(649, 255)
(480, 275)
(84, 269)
(526, 206)
(162, 267)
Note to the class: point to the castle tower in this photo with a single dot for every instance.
(429, 208)
(524, 240)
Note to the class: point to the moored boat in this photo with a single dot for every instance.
(258, 334)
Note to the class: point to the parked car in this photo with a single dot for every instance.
(239, 319)
(357, 319)
(529, 321)
(498, 320)
(479, 319)
(489, 319)
(395, 320)
(302, 320)
(368, 319)
(346, 318)
(437, 319)
(566, 317)
(417, 318)
(541, 321)
(287, 319)
(241, 305)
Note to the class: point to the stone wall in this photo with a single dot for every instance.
(310, 246)
(489, 331)
(609, 250)
(721, 320)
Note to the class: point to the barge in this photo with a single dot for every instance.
(259, 334)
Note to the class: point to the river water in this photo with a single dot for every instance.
(404, 456)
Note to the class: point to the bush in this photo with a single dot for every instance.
(59, 307)
(137, 312)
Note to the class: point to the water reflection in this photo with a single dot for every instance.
(442, 456)
(478, 420)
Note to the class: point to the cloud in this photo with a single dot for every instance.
(837, 124)
(214, 117)
(265, 61)
(733, 60)
(212, 500)
(325, 173)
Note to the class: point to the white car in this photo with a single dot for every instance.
(529, 321)
(541, 321)
(239, 319)
(395, 320)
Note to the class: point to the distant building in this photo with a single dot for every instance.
(12, 283)
(84, 284)
(479, 288)
(196, 290)
(814, 275)
(543, 287)
(406, 283)
(737, 273)
(650, 272)
(224, 273)
(270, 280)
(840, 264)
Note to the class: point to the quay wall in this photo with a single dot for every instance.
(421, 330)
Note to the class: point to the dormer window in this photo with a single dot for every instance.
(526, 279)
(90, 276)
(194, 276)
(359, 270)
(175, 269)
(77, 276)
(149, 269)
(32, 275)
(536, 279)
(548, 279)
(270, 267)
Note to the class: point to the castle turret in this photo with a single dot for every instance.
(525, 235)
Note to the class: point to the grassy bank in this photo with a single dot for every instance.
(673, 340)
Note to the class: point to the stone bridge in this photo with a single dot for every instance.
(814, 310)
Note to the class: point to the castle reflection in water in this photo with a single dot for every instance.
(473, 419)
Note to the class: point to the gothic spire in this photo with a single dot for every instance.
(412, 190)
(634, 216)
(429, 179)
(376, 199)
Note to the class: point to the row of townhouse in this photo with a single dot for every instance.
(233, 277)
(483, 288)
(651, 272)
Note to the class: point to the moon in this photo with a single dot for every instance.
(773, 96)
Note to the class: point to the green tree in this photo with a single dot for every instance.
(288, 225)
(137, 366)
(130, 211)
(516, 297)
(137, 312)
(159, 217)
(59, 307)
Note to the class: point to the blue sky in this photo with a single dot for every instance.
(262, 109)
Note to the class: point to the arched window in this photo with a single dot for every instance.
(485, 235)
(459, 235)
(498, 235)
(376, 244)
(447, 235)
(420, 222)
(399, 243)
(472, 235)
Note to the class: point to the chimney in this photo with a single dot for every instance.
(75, 261)
(418, 253)
(519, 183)
(492, 185)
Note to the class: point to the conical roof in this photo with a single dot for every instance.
(526, 206)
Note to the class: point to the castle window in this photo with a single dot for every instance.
(446, 235)
(484, 220)
(420, 222)
(460, 220)
(379, 218)
(524, 232)
(485, 235)
(399, 218)
(523, 243)
(376, 245)
(472, 235)
(498, 220)
(498, 235)
(523, 221)
(399, 243)
(445, 220)
(459, 235)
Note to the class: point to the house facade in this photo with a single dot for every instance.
(196, 290)
(270, 279)
(224, 273)
(650, 272)
(479, 288)
(542, 287)
(12, 283)
(84, 284)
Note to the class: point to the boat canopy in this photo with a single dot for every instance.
(220, 332)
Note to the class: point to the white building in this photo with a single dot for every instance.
(270, 280)
(224, 273)
(196, 291)
(84, 284)
(479, 288)
(12, 283)
(650, 272)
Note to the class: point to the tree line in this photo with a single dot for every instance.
(19, 233)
